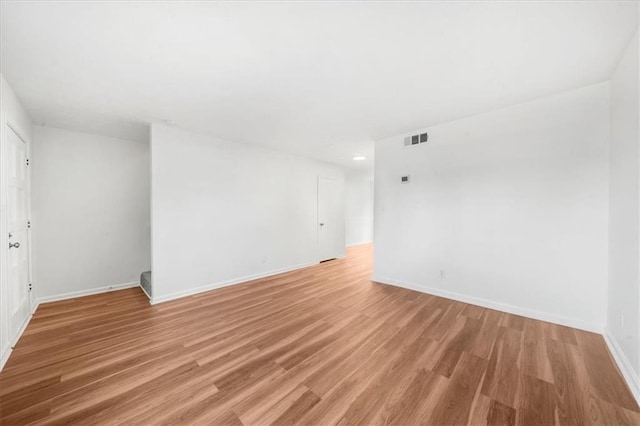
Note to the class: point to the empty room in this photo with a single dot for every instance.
(320, 213)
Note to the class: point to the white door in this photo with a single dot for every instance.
(17, 203)
(330, 237)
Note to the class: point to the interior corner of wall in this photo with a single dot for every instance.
(625, 366)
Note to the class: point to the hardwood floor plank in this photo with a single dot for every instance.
(488, 334)
(566, 377)
(606, 414)
(454, 406)
(182, 392)
(480, 407)
(379, 395)
(603, 373)
(299, 408)
(501, 415)
(110, 407)
(414, 400)
(38, 413)
(462, 341)
(503, 375)
(534, 359)
(537, 402)
(339, 398)
(324, 379)
(274, 411)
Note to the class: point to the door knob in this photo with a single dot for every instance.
(14, 245)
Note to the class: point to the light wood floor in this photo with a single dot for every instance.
(323, 345)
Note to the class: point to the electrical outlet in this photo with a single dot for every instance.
(443, 274)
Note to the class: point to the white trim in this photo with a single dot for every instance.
(625, 366)
(213, 286)
(89, 292)
(12, 343)
(145, 292)
(504, 307)
(359, 244)
(5, 357)
(14, 129)
(12, 340)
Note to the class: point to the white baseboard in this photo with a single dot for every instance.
(5, 357)
(629, 374)
(209, 287)
(511, 309)
(88, 292)
(12, 343)
(359, 244)
(145, 292)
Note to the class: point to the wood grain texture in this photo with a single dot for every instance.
(322, 345)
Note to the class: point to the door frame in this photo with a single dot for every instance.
(4, 226)
(341, 213)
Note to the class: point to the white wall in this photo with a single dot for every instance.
(358, 207)
(91, 211)
(224, 212)
(11, 113)
(623, 320)
(511, 206)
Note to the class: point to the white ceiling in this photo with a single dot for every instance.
(321, 79)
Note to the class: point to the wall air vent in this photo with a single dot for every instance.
(415, 139)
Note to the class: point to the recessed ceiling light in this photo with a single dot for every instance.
(359, 158)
